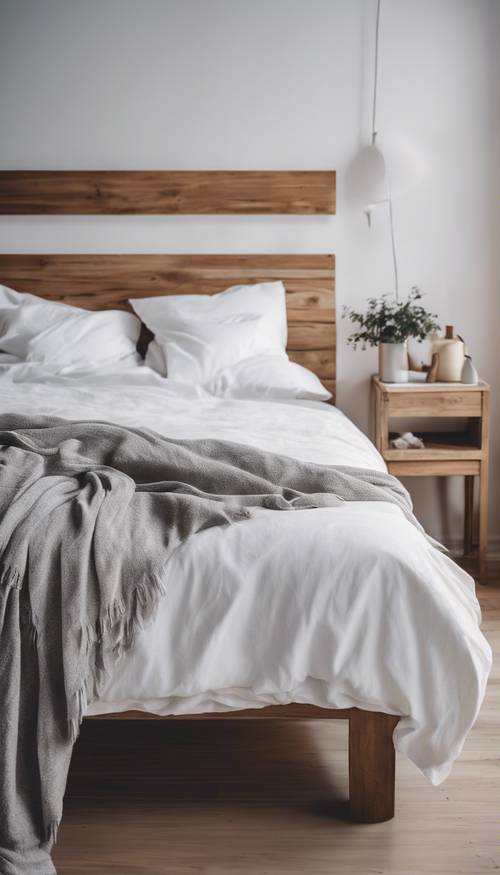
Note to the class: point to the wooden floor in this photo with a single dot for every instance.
(187, 798)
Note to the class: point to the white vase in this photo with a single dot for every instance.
(469, 374)
(393, 362)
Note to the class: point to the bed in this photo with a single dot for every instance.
(344, 613)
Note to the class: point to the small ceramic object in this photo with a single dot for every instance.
(393, 362)
(451, 350)
(469, 374)
(417, 376)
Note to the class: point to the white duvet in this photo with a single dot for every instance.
(338, 607)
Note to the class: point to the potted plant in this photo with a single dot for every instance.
(388, 323)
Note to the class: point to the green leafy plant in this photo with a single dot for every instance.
(389, 321)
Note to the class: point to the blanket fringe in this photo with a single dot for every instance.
(51, 832)
(32, 633)
(76, 721)
(28, 627)
(10, 577)
(112, 635)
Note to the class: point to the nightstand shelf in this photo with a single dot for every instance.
(446, 453)
(448, 445)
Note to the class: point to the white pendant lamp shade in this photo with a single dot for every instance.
(367, 178)
(377, 173)
(407, 163)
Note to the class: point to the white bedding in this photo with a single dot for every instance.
(338, 607)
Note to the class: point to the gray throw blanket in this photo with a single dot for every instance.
(90, 514)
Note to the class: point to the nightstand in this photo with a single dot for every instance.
(446, 453)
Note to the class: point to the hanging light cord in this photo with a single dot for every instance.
(374, 137)
(375, 75)
(393, 246)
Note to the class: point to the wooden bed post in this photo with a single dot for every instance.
(371, 766)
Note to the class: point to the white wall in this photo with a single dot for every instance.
(208, 84)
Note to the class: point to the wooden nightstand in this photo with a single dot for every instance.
(446, 454)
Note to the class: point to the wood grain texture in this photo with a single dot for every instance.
(427, 388)
(468, 514)
(293, 711)
(448, 453)
(78, 192)
(99, 282)
(483, 486)
(438, 446)
(371, 751)
(449, 404)
(372, 766)
(434, 468)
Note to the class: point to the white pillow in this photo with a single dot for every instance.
(266, 300)
(268, 376)
(195, 351)
(35, 330)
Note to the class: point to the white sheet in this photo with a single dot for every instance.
(337, 607)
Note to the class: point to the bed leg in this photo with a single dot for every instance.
(371, 766)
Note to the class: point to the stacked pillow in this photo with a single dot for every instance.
(239, 304)
(65, 338)
(233, 343)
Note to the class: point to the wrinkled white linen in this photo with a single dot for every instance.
(336, 607)
(65, 337)
(264, 300)
(267, 378)
(195, 351)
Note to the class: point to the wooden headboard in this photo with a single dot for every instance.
(167, 192)
(107, 281)
(99, 282)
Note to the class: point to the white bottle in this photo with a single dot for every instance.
(470, 375)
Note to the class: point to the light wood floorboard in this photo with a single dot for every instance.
(270, 799)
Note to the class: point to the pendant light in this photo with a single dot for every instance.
(367, 174)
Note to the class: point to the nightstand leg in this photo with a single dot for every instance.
(468, 513)
(483, 521)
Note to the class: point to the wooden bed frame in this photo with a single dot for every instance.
(107, 281)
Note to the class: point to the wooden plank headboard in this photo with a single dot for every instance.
(107, 281)
(161, 192)
(103, 281)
